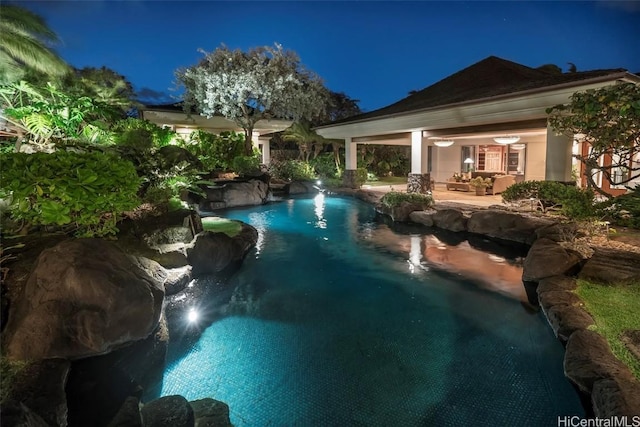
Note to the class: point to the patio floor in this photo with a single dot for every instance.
(442, 195)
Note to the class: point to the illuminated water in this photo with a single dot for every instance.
(337, 320)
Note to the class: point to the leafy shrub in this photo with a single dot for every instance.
(574, 202)
(361, 176)
(215, 151)
(85, 191)
(246, 165)
(141, 134)
(325, 166)
(623, 210)
(396, 198)
(293, 170)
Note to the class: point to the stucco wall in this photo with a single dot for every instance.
(536, 163)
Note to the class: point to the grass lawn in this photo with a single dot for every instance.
(388, 180)
(614, 309)
(221, 225)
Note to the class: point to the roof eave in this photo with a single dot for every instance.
(624, 75)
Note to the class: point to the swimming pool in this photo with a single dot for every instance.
(337, 319)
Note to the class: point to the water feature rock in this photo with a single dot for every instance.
(616, 396)
(423, 217)
(588, 359)
(552, 298)
(177, 279)
(214, 252)
(612, 266)
(232, 194)
(302, 187)
(401, 212)
(557, 283)
(128, 415)
(14, 413)
(506, 225)
(77, 302)
(172, 411)
(450, 219)
(567, 319)
(210, 413)
(39, 389)
(547, 258)
(558, 232)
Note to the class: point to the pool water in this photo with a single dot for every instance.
(335, 319)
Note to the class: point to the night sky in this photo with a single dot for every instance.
(373, 51)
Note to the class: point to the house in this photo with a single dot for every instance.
(172, 116)
(489, 117)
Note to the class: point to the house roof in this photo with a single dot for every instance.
(488, 78)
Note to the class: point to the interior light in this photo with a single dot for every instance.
(444, 143)
(506, 140)
(468, 160)
(518, 146)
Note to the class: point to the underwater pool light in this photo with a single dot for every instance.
(192, 316)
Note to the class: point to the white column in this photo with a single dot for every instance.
(266, 151)
(558, 157)
(417, 160)
(255, 139)
(350, 154)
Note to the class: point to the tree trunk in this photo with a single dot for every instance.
(248, 142)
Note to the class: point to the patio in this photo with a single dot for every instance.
(442, 195)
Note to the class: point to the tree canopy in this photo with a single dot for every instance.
(262, 83)
(24, 40)
(608, 119)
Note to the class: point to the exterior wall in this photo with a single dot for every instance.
(446, 162)
(536, 160)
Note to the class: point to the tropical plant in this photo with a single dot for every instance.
(292, 170)
(306, 138)
(325, 166)
(81, 192)
(480, 182)
(215, 151)
(246, 165)
(608, 120)
(24, 39)
(246, 87)
(47, 117)
(141, 133)
(103, 85)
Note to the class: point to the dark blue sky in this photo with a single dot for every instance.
(373, 51)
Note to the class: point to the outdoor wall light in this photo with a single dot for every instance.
(444, 143)
(506, 140)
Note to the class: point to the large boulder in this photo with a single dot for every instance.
(450, 219)
(232, 194)
(214, 252)
(401, 212)
(506, 225)
(612, 266)
(547, 258)
(302, 187)
(423, 217)
(173, 411)
(84, 297)
(37, 391)
(588, 359)
(616, 397)
(210, 413)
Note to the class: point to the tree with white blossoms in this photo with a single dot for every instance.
(246, 87)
